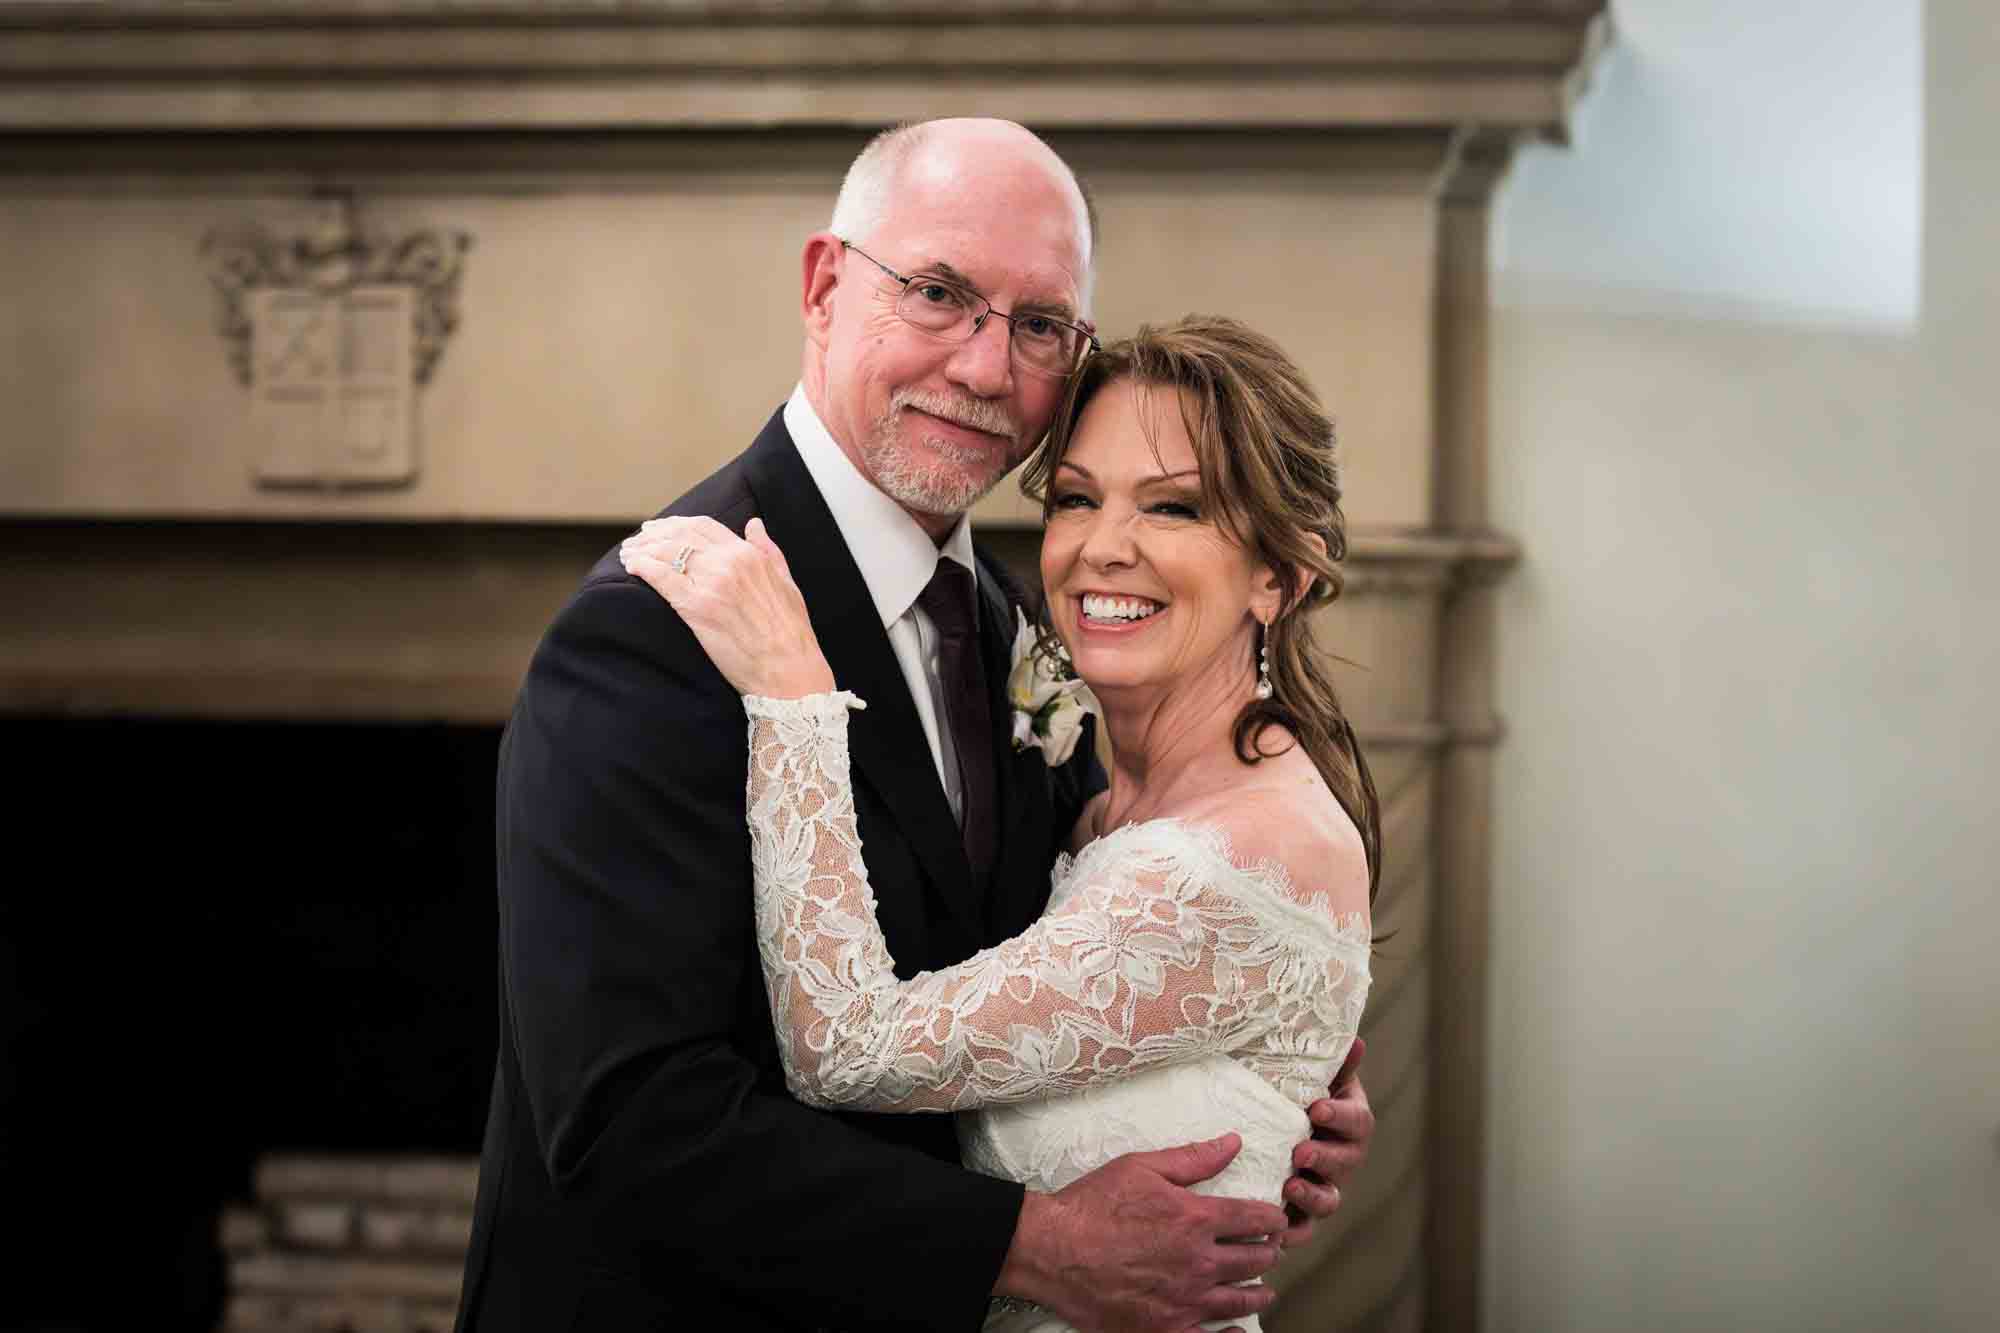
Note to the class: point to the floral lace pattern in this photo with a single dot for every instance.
(1157, 949)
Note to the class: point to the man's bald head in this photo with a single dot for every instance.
(892, 158)
(947, 211)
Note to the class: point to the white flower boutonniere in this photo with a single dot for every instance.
(1049, 702)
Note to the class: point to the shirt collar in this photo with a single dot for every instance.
(895, 555)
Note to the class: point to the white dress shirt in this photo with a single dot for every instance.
(896, 558)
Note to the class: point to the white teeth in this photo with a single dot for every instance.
(1096, 606)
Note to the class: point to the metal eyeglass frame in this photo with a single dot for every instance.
(1087, 346)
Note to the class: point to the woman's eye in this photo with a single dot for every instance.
(1176, 509)
(1069, 500)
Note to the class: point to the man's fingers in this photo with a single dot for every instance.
(1328, 1161)
(1193, 1162)
(1350, 1068)
(1343, 1119)
(1236, 1302)
(1345, 1113)
(1312, 1198)
(1242, 1218)
(1239, 1262)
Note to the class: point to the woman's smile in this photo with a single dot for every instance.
(1146, 589)
(1114, 611)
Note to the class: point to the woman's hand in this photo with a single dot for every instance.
(737, 595)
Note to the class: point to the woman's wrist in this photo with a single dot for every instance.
(823, 706)
(796, 683)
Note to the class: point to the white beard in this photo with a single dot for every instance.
(951, 481)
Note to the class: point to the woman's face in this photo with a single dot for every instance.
(1145, 589)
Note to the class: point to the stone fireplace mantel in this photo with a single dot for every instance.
(682, 64)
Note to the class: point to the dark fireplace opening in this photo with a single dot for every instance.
(221, 940)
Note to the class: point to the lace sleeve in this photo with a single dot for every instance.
(1149, 961)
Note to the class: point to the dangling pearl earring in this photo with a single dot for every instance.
(1264, 662)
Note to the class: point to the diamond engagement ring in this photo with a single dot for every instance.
(680, 561)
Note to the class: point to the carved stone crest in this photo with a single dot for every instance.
(333, 327)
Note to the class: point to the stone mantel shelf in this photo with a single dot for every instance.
(1510, 64)
(411, 621)
(1368, 547)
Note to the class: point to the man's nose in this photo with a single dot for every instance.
(984, 363)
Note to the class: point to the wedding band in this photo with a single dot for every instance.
(680, 562)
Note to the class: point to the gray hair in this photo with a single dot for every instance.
(871, 182)
(870, 187)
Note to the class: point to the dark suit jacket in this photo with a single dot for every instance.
(644, 1166)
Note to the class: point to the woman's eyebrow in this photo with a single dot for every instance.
(1153, 480)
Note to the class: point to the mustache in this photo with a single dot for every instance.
(976, 413)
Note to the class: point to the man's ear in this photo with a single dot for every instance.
(821, 263)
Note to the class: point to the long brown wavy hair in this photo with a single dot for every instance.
(1270, 478)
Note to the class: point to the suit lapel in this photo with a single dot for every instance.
(886, 741)
(1018, 882)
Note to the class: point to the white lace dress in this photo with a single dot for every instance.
(1168, 994)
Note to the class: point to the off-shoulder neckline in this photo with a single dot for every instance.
(1214, 842)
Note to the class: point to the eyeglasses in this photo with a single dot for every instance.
(1041, 344)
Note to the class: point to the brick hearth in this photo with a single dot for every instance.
(349, 1245)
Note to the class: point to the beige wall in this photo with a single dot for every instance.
(1745, 1069)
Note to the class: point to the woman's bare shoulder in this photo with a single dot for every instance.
(1286, 816)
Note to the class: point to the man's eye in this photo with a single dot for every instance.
(938, 293)
(1037, 326)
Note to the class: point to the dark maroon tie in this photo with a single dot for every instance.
(950, 602)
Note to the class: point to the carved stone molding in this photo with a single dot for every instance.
(1416, 562)
(1359, 64)
(331, 259)
(333, 327)
(198, 13)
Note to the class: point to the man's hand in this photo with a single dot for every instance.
(1342, 1126)
(1129, 1247)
